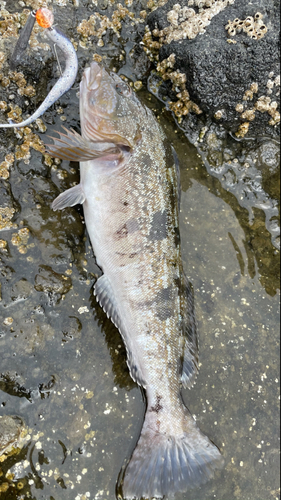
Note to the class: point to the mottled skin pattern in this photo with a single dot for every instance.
(132, 225)
(131, 213)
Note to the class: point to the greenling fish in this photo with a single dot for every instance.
(129, 192)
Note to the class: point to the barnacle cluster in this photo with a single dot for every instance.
(20, 81)
(150, 46)
(37, 4)
(184, 104)
(273, 84)
(98, 24)
(186, 22)
(6, 215)
(3, 246)
(2, 59)
(242, 129)
(5, 165)
(10, 24)
(20, 239)
(263, 104)
(253, 26)
(30, 140)
(155, 4)
(249, 93)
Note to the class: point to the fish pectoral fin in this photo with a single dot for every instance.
(69, 198)
(106, 298)
(190, 360)
(73, 147)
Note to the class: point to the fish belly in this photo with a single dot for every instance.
(132, 220)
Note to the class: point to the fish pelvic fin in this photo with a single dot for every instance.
(73, 147)
(189, 338)
(163, 464)
(69, 198)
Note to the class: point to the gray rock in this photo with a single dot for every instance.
(50, 282)
(10, 428)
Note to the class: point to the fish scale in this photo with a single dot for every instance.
(130, 203)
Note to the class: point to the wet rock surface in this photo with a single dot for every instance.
(10, 429)
(63, 367)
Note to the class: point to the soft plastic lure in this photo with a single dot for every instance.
(45, 19)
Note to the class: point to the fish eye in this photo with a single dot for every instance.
(123, 89)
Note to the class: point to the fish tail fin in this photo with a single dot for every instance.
(163, 464)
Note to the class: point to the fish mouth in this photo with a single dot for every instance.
(92, 76)
(99, 107)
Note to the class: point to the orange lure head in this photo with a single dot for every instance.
(44, 17)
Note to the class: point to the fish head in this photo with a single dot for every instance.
(109, 109)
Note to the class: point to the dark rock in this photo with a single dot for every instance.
(50, 282)
(219, 71)
(10, 427)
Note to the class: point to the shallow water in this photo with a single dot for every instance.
(63, 367)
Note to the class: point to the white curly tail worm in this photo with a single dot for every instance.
(65, 81)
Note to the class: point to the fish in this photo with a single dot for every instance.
(129, 192)
(45, 19)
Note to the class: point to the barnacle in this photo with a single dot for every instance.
(5, 165)
(20, 239)
(253, 26)
(242, 129)
(184, 104)
(2, 59)
(249, 115)
(185, 22)
(6, 215)
(239, 108)
(249, 93)
(264, 104)
(219, 114)
(98, 24)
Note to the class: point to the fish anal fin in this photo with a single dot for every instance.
(73, 147)
(69, 198)
(189, 336)
(106, 298)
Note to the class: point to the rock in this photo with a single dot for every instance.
(50, 282)
(230, 75)
(10, 430)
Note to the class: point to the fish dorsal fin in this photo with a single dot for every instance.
(189, 333)
(106, 298)
(73, 147)
(69, 198)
